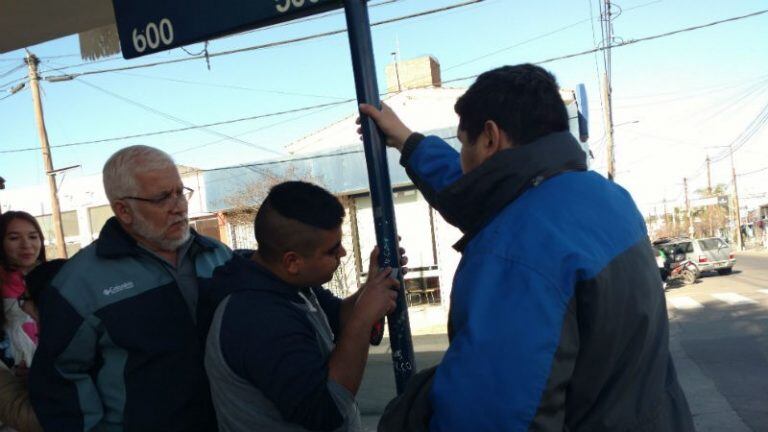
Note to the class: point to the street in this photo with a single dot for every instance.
(718, 338)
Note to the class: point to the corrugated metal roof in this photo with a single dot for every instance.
(342, 171)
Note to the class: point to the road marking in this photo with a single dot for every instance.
(683, 302)
(733, 298)
(765, 291)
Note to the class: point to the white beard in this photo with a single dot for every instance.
(142, 227)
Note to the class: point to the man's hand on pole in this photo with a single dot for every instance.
(389, 123)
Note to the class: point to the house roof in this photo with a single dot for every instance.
(421, 109)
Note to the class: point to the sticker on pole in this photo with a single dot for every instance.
(150, 26)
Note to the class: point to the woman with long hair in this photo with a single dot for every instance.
(22, 247)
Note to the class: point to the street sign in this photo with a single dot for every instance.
(149, 26)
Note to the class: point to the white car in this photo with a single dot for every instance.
(708, 254)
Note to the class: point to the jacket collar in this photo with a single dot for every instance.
(114, 242)
(476, 198)
(241, 273)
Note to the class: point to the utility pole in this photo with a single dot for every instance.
(709, 195)
(674, 222)
(58, 231)
(607, 28)
(688, 208)
(397, 71)
(739, 237)
(608, 112)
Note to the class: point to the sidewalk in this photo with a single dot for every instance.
(430, 340)
(711, 411)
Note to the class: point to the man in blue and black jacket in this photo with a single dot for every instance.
(558, 319)
(123, 324)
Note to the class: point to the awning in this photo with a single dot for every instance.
(24, 23)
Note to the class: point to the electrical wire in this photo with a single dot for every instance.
(12, 70)
(749, 131)
(279, 43)
(9, 84)
(7, 96)
(184, 129)
(752, 172)
(624, 43)
(232, 87)
(259, 129)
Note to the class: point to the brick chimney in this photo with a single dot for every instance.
(414, 73)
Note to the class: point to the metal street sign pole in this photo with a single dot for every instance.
(359, 30)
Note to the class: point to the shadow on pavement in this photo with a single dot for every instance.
(729, 343)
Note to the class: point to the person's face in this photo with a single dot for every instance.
(21, 244)
(471, 152)
(318, 267)
(490, 141)
(161, 224)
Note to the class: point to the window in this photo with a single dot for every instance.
(50, 250)
(413, 225)
(711, 244)
(207, 227)
(98, 217)
(69, 223)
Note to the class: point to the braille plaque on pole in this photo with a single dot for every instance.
(149, 26)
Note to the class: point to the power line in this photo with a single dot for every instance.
(16, 81)
(658, 36)
(518, 44)
(624, 43)
(752, 128)
(700, 93)
(278, 43)
(7, 96)
(232, 87)
(12, 70)
(753, 172)
(309, 18)
(188, 128)
(295, 159)
(176, 119)
(271, 125)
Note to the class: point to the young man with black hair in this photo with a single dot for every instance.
(558, 319)
(283, 353)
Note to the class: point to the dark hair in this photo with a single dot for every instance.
(5, 221)
(523, 100)
(40, 278)
(290, 215)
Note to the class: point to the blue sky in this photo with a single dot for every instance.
(680, 89)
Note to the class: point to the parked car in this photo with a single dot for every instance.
(707, 254)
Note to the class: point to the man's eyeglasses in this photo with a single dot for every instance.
(167, 199)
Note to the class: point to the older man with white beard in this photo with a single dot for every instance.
(122, 335)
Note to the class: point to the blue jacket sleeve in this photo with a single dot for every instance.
(61, 387)
(431, 163)
(507, 320)
(268, 342)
